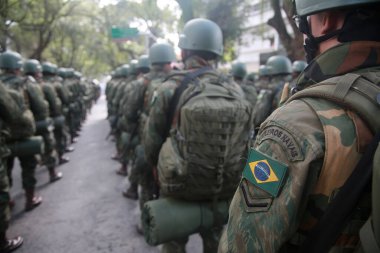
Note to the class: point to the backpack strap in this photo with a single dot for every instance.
(354, 91)
(178, 92)
(322, 237)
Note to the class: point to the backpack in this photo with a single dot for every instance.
(359, 92)
(211, 125)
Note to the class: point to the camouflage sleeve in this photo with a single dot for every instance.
(38, 104)
(157, 122)
(18, 118)
(51, 98)
(134, 103)
(259, 222)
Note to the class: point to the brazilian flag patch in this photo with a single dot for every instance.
(265, 172)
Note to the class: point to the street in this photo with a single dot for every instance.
(85, 211)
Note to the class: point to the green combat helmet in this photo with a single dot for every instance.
(251, 77)
(307, 7)
(143, 64)
(62, 72)
(299, 66)
(133, 67)
(239, 70)
(161, 53)
(10, 60)
(202, 34)
(70, 73)
(49, 68)
(279, 65)
(77, 75)
(122, 71)
(32, 66)
(264, 71)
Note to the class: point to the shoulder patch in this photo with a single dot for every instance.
(265, 172)
(285, 139)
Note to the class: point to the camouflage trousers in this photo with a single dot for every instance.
(144, 175)
(48, 158)
(210, 240)
(60, 140)
(28, 166)
(4, 197)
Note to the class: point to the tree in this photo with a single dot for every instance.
(293, 44)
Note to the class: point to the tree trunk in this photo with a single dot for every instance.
(293, 46)
(187, 10)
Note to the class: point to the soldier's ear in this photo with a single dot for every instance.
(331, 21)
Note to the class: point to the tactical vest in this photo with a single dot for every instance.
(202, 157)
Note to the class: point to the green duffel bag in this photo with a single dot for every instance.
(30, 146)
(59, 121)
(167, 219)
(43, 126)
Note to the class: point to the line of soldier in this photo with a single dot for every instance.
(42, 109)
(134, 88)
(277, 191)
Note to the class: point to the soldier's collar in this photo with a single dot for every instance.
(339, 60)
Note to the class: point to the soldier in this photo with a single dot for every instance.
(33, 68)
(263, 78)
(239, 72)
(306, 149)
(13, 115)
(49, 72)
(137, 108)
(11, 64)
(269, 97)
(210, 176)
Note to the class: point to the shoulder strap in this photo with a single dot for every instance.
(353, 91)
(323, 236)
(178, 92)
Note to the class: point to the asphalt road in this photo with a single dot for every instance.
(84, 212)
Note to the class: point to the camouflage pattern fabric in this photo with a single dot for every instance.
(12, 110)
(320, 143)
(136, 111)
(35, 101)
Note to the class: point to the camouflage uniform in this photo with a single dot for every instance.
(153, 140)
(320, 143)
(59, 104)
(137, 110)
(13, 115)
(35, 101)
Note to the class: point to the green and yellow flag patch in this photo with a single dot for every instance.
(264, 172)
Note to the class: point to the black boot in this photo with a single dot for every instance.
(131, 193)
(9, 245)
(32, 201)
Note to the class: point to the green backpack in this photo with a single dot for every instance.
(211, 126)
(359, 92)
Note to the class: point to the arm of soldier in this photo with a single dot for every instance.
(157, 122)
(51, 98)
(134, 103)
(38, 105)
(258, 221)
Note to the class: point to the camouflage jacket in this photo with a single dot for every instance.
(140, 98)
(318, 143)
(157, 122)
(16, 120)
(32, 93)
(51, 96)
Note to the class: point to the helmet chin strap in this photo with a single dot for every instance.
(311, 44)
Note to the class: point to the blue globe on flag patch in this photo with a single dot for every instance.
(262, 171)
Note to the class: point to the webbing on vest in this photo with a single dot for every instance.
(177, 95)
